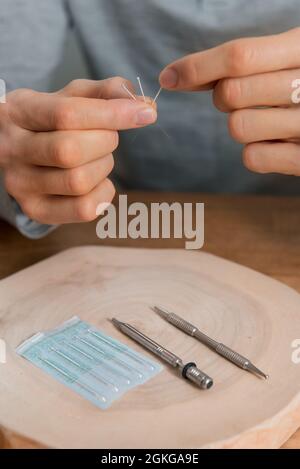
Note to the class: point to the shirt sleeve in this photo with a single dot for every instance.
(12, 213)
(33, 35)
(32, 39)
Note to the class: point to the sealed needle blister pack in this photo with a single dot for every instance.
(91, 363)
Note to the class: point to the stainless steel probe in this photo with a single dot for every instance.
(188, 371)
(218, 347)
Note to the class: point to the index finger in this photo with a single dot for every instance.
(237, 58)
(44, 112)
(109, 88)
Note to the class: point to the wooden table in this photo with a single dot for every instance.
(259, 232)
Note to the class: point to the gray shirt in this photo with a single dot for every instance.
(190, 149)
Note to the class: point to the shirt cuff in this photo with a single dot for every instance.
(30, 228)
(11, 212)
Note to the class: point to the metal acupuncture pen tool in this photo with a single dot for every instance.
(188, 371)
(218, 347)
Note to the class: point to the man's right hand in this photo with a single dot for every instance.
(56, 149)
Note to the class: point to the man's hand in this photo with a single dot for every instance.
(56, 149)
(252, 80)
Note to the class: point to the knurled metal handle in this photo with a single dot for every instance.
(189, 329)
(233, 356)
(182, 324)
(198, 377)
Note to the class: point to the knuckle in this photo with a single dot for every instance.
(72, 87)
(33, 209)
(86, 206)
(11, 183)
(76, 181)
(110, 163)
(250, 159)
(29, 209)
(22, 93)
(240, 57)
(63, 115)
(107, 165)
(9, 139)
(74, 84)
(65, 153)
(236, 126)
(6, 152)
(114, 140)
(108, 190)
(15, 105)
(113, 86)
(191, 72)
(117, 81)
(228, 94)
(85, 210)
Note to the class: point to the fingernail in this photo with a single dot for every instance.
(168, 78)
(145, 116)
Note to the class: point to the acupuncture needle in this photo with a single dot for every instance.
(157, 94)
(73, 380)
(116, 360)
(128, 91)
(121, 349)
(84, 368)
(141, 88)
(90, 357)
(153, 101)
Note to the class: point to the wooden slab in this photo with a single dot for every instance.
(253, 314)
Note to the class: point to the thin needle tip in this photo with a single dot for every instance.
(157, 94)
(264, 375)
(162, 312)
(253, 369)
(116, 322)
(128, 91)
(141, 88)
